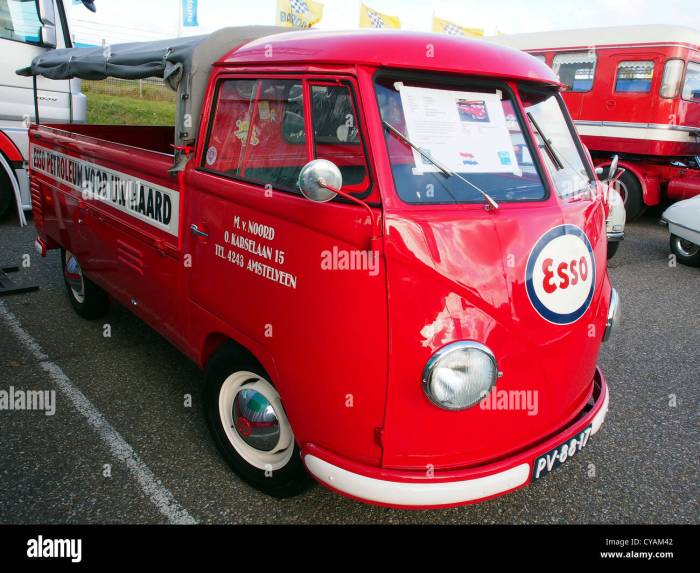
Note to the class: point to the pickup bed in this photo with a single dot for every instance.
(128, 243)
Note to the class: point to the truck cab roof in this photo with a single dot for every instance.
(393, 49)
(185, 63)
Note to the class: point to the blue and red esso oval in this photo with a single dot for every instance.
(560, 274)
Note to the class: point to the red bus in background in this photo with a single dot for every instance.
(632, 91)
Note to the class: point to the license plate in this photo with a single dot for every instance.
(556, 457)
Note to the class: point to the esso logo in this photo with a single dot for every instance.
(560, 274)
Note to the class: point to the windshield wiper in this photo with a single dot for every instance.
(549, 147)
(448, 172)
(547, 143)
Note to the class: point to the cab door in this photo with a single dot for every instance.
(633, 81)
(283, 273)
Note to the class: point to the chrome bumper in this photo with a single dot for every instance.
(613, 314)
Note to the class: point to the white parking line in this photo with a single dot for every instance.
(151, 487)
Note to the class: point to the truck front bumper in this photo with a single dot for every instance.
(421, 490)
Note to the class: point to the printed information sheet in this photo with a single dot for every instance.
(465, 131)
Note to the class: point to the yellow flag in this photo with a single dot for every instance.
(372, 19)
(298, 13)
(446, 27)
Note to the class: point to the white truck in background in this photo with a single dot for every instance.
(27, 29)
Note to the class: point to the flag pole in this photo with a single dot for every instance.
(179, 18)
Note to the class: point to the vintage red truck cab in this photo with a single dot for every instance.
(387, 249)
(632, 91)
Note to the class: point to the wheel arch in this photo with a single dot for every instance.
(215, 342)
(651, 193)
(9, 149)
(7, 171)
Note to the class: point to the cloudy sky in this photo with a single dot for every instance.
(129, 20)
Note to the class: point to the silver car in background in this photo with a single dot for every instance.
(683, 220)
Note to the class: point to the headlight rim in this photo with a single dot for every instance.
(442, 353)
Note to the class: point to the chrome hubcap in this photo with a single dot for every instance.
(255, 420)
(74, 277)
(686, 248)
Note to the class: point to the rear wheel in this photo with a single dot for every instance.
(631, 192)
(6, 193)
(250, 427)
(686, 252)
(88, 300)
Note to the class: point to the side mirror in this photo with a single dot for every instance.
(89, 4)
(47, 15)
(48, 36)
(320, 180)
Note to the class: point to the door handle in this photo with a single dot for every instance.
(82, 211)
(195, 230)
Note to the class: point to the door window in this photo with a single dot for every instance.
(575, 70)
(691, 85)
(634, 76)
(259, 132)
(337, 134)
(275, 150)
(19, 20)
(671, 79)
(228, 134)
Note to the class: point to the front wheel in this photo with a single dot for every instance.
(88, 300)
(686, 252)
(250, 427)
(630, 190)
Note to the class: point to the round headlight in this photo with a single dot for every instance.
(460, 375)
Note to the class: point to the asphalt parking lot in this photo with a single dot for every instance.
(123, 447)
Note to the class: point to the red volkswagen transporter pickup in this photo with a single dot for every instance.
(387, 250)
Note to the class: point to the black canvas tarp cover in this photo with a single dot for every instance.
(184, 64)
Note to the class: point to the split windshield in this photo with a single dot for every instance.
(561, 155)
(476, 139)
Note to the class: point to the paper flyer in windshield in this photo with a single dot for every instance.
(465, 131)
